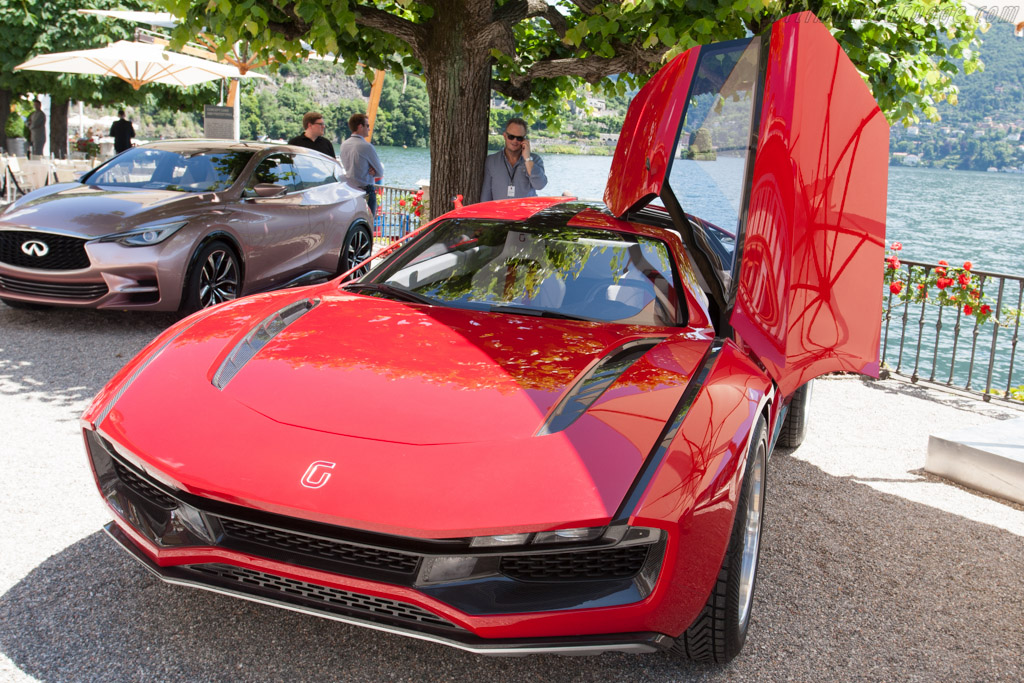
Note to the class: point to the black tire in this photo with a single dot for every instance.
(794, 429)
(215, 277)
(357, 247)
(26, 305)
(718, 633)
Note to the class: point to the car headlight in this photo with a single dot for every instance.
(144, 237)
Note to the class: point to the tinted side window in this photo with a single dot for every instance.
(313, 172)
(278, 169)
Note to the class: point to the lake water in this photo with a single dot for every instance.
(955, 215)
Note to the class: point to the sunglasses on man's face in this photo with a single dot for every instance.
(520, 138)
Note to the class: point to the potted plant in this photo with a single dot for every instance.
(15, 130)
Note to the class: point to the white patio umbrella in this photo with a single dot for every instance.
(136, 63)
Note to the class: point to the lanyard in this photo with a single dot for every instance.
(512, 173)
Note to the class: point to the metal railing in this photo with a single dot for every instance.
(925, 341)
(396, 213)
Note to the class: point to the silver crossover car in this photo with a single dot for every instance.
(181, 225)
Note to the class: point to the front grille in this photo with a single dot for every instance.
(320, 547)
(611, 563)
(63, 252)
(332, 600)
(85, 292)
(142, 487)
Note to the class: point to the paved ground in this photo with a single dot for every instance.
(871, 570)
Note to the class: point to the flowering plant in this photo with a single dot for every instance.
(413, 203)
(956, 286)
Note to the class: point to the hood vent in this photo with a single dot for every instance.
(259, 337)
(594, 383)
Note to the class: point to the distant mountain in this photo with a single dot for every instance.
(998, 91)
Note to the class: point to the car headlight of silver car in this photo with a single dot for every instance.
(145, 236)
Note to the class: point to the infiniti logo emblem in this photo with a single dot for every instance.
(35, 248)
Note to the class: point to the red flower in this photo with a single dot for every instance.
(894, 262)
(964, 279)
(941, 272)
(943, 262)
(920, 286)
(943, 282)
(985, 309)
(975, 294)
(401, 202)
(968, 309)
(896, 246)
(417, 211)
(967, 265)
(896, 287)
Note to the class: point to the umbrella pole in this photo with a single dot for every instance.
(234, 101)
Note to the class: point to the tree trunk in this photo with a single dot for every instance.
(59, 128)
(5, 111)
(458, 77)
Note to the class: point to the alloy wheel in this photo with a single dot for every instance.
(751, 535)
(218, 280)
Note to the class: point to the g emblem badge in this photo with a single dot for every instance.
(317, 474)
(35, 248)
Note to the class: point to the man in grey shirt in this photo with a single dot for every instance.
(513, 171)
(362, 167)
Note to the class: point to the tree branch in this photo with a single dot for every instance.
(591, 69)
(514, 12)
(403, 29)
(291, 30)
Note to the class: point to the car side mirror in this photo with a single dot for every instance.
(268, 189)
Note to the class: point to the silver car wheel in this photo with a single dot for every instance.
(751, 535)
(358, 247)
(218, 280)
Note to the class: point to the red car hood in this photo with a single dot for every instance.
(91, 211)
(463, 459)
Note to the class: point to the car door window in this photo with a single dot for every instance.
(314, 172)
(277, 169)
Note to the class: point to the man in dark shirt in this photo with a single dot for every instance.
(313, 134)
(122, 131)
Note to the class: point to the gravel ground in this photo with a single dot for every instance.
(871, 570)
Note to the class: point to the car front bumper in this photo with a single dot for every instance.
(375, 613)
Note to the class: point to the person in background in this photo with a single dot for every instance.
(37, 128)
(122, 131)
(312, 136)
(362, 166)
(513, 171)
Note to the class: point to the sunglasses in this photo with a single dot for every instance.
(520, 138)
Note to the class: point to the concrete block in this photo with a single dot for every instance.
(989, 458)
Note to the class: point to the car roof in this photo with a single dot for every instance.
(193, 144)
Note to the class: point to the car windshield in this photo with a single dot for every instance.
(535, 269)
(197, 170)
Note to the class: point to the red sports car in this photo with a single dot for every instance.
(538, 425)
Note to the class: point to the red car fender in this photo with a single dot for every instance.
(694, 487)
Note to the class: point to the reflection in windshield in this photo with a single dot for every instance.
(576, 272)
(158, 169)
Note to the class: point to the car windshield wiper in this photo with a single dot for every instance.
(537, 312)
(394, 291)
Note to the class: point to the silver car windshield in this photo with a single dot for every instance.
(536, 269)
(184, 171)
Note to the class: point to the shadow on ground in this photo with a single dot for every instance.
(64, 356)
(902, 592)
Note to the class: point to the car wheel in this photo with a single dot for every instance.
(27, 305)
(358, 247)
(718, 634)
(215, 277)
(795, 427)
